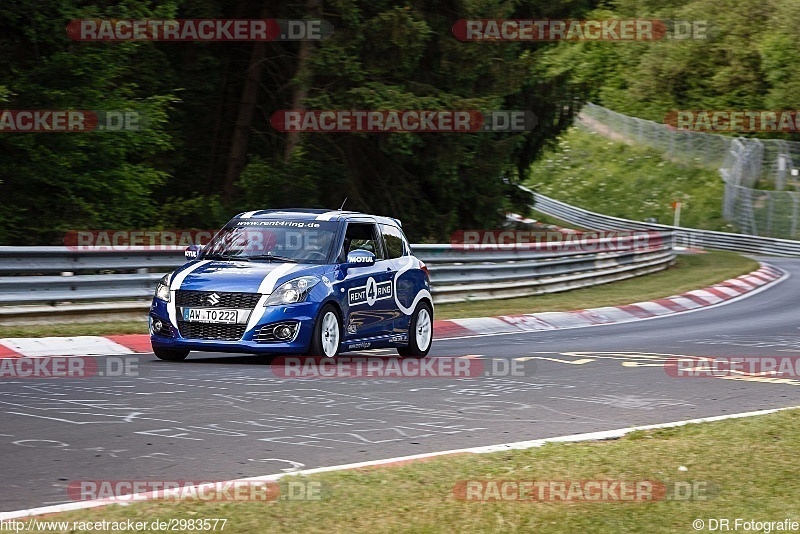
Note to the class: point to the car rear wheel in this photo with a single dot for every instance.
(170, 355)
(420, 333)
(327, 334)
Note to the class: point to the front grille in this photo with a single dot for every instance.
(220, 332)
(199, 299)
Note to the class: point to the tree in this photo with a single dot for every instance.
(56, 182)
(388, 57)
(209, 149)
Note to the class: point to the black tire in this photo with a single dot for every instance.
(321, 339)
(413, 350)
(170, 355)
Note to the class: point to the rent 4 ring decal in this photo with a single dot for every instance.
(370, 293)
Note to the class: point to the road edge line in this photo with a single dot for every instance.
(518, 445)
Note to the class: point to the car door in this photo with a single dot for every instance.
(369, 300)
(405, 287)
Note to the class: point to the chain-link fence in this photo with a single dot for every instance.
(762, 177)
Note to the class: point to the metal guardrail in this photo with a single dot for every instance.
(458, 272)
(67, 259)
(686, 237)
(54, 289)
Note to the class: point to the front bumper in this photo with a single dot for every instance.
(304, 313)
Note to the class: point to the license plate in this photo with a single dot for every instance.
(215, 315)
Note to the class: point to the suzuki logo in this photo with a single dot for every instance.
(213, 299)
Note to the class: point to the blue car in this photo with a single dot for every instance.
(297, 281)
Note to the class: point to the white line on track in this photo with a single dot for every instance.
(589, 436)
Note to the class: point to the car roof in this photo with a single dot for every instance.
(308, 214)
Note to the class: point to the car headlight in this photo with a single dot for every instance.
(162, 289)
(292, 291)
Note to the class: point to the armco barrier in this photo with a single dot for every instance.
(22, 260)
(487, 273)
(687, 237)
(30, 284)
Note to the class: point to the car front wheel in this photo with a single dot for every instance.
(327, 334)
(420, 333)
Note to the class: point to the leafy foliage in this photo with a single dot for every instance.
(186, 168)
(632, 182)
(745, 62)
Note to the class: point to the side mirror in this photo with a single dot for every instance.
(360, 258)
(192, 252)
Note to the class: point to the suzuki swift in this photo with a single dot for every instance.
(296, 281)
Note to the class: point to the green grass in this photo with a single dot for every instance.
(750, 463)
(634, 182)
(689, 272)
(76, 329)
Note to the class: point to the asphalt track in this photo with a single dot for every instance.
(219, 417)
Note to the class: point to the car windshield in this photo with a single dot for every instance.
(274, 240)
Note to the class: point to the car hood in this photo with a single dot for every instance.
(239, 276)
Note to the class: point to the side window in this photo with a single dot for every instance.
(363, 236)
(396, 245)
